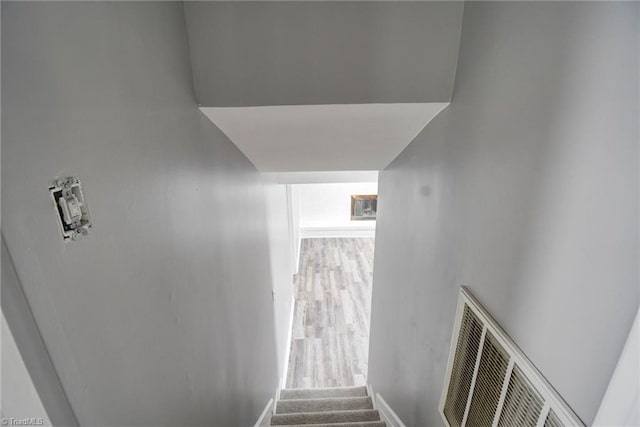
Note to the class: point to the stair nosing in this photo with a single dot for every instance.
(323, 405)
(327, 398)
(340, 411)
(326, 392)
(372, 413)
(326, 388)
(345, 424)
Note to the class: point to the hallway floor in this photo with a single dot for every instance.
(330, 337)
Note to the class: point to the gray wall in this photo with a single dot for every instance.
(163, 314)
(289, 53)
(525, 189)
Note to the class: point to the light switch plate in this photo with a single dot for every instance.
(71, 207)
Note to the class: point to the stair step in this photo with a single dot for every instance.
(318, 393)
(358, 424)
(331, 417)
(323, 404)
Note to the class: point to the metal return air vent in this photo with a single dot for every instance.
(490, 382)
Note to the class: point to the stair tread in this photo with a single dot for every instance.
(323, 404)
(310, 393)
(354, 424)
(325, 417)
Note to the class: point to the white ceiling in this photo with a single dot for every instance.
(345, 137)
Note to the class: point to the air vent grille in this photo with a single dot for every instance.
(522, 405)
(464, 363)
(553, 420)
(490, 382)
(488, 387)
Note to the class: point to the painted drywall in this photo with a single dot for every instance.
(325, 210)
(282, 269)
(525, 189)
(303, 53)
(621, 403)
(20, 399)
(35, 357)
(162, 315)
(296, 138)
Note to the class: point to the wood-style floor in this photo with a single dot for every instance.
(330, 336)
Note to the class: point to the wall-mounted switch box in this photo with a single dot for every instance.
(73, 213)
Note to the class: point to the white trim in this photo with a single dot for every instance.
(293, 222)
(371, 394)
(297, 255)
(387, 414)
(322, 177)
(276, 400)
(287, 353)
(333, 232)
(265, 418)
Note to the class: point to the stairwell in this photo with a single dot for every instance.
(326, 407)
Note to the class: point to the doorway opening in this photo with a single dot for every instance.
(333, 285)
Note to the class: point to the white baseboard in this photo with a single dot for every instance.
(287, 353)
(387, 414)
(299, 246)
(265, 417)
(372, 395)
(333, 232)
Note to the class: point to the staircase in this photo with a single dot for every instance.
(326, 407)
